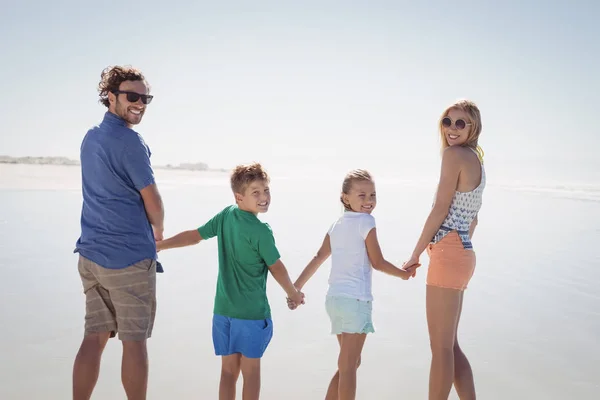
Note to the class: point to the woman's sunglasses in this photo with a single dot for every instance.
(133, 97)
(459, 124)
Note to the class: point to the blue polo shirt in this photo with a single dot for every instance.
(115, 167)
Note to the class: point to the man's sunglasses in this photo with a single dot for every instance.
(459, 124)
(133, 97)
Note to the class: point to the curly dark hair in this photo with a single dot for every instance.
(112, 77)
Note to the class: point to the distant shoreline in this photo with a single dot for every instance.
(69, 162)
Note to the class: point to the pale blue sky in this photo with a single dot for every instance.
(309, 84)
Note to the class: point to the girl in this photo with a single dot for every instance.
(354, 249)
(447, 237)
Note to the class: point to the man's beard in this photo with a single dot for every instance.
(122, 112)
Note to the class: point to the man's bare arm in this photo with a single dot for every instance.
(154, 209)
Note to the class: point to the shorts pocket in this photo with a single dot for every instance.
(366, 307)
(145, 265)
(267, 324)
(258, 325)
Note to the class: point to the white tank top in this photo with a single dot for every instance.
(351, 271)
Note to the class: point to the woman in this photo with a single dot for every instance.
(447, 237)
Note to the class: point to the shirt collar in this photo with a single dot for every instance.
(245, 213)
(114, 119)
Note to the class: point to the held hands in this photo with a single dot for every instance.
(158, 233)
(294, 301)
(160, 244)
(158, 238)
(411, 266)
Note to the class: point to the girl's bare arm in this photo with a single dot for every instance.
(314, 264)
(378, 262)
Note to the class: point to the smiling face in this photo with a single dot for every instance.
(360, 197)
(460, 125)
(256, 197)
(132, 113)
(456, 127)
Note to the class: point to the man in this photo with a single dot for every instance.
(122, 217)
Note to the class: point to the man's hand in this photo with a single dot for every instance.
(158, 233)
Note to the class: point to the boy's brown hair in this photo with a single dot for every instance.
(244, 174)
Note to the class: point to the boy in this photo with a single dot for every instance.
(242, 326)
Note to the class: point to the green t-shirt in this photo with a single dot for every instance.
(246, 250)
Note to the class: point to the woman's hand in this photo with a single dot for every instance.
(411, 265)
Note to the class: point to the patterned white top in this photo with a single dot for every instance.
(462, 212)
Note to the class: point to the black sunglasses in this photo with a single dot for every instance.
(133, 97)
(459, 124)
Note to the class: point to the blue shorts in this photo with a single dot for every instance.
(246, 336)
(349, 315)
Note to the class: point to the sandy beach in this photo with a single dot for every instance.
(529, 323)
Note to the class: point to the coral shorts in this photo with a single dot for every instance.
(450, 265)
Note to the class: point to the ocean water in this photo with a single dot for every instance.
(530, 323)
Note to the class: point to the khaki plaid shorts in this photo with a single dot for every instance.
(119, 300)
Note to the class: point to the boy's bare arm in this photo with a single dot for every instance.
(182, 239)
(282, 277)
